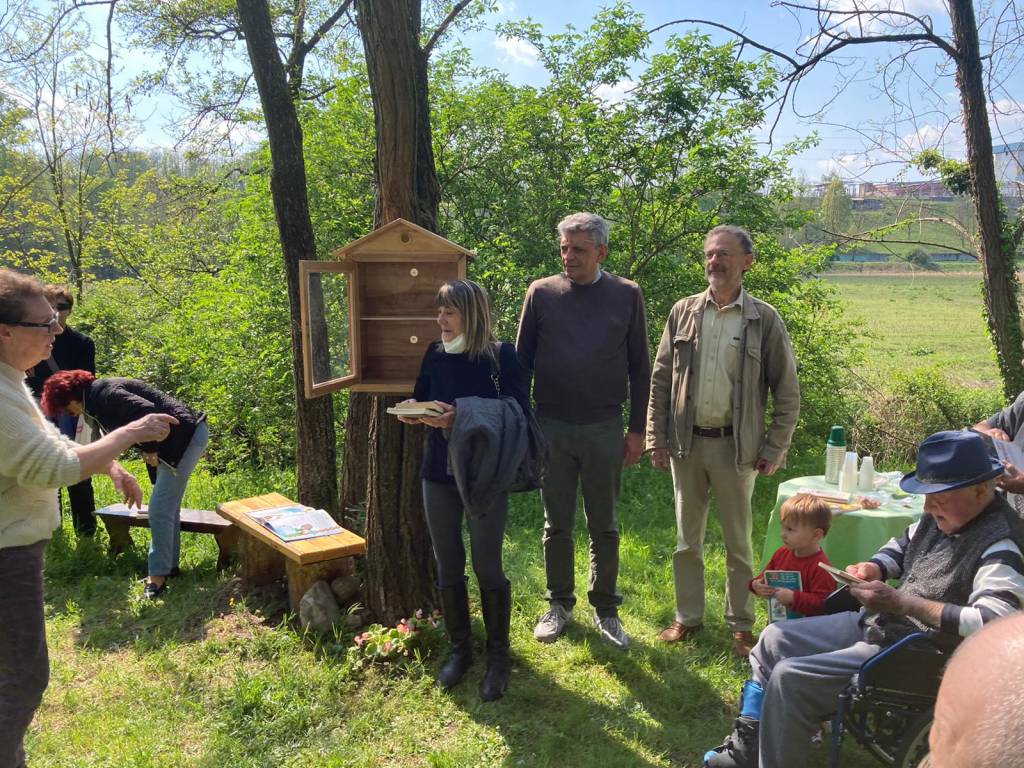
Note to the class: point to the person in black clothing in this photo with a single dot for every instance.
(71, 350)
(464, 363)
(111, 403)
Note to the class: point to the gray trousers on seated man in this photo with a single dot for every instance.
(589, 455)
(803, 665)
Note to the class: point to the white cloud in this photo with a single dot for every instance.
(845, 166)
(613, 94)
(518, 50)
(875, 16)
(507, 7)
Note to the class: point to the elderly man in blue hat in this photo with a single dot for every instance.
(960, 567)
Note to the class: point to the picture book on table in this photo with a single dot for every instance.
(296, 522)
(782, 580)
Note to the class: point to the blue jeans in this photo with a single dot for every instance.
(165, 505)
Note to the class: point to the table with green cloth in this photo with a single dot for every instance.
(855, 536)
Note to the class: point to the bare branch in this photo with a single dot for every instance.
(443, 26)
(300, 51)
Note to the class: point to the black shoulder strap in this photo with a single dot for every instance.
(494, 359)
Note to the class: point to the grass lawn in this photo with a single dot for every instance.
(920, 320)
(212, 676)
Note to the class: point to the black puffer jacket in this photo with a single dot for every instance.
(116, 402)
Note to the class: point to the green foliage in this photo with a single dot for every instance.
(836, 207)
(955, 174)
(892, 420)
(406, 640)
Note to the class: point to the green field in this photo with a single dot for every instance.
(914, 321)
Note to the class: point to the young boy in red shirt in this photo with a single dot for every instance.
(805, 519)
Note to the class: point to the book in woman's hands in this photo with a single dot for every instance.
(843, 577)
(296, 522)
(417, 410)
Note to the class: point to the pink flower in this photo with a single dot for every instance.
(386, 647)
(419, 613)
(404, 628)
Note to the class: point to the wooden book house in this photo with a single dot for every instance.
(369, 315)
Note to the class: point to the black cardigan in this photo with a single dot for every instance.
(447, 377)
(116, 402)
(72, 351)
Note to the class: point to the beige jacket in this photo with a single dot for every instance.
(767, 364)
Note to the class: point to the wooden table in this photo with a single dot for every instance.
(264, 557)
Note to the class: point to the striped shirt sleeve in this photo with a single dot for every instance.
(890, 557)
(998, 590)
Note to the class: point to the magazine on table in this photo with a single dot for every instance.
(782, 580)
(296, 522)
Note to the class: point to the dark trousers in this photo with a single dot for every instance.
(587, 456)
(80, 495)
(24, 663)
(444, 511)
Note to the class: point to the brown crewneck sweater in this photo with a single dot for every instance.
(587, 348)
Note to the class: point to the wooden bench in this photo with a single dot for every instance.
(118, 519)
(264, 557)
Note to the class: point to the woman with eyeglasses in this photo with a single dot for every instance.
(35, 459)
(112, 403)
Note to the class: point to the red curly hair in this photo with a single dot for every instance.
(62, 388)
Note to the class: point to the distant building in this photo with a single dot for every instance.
(925, 190)
(1009, 162)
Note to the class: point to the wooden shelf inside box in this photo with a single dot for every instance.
(389, 354)
(390, 289)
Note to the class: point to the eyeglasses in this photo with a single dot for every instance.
(51, 325)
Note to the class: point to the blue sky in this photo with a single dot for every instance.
(861, 136)
(852, 128)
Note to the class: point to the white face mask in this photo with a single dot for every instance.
(456, 345)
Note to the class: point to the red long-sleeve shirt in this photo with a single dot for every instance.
(817, 583)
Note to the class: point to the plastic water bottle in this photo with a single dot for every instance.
(848, 474)
(866, 482)
(835, 452)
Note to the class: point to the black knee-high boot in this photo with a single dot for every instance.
(455, 606)
(497, 609)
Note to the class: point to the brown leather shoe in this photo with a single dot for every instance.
(677, 631)
(743, 643)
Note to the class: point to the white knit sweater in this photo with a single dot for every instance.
(35, 460)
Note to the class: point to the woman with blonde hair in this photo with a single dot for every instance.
(35, 460)
(467, 362)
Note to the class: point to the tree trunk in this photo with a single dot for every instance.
(315, 455)
(1001, 308)
(398, 560)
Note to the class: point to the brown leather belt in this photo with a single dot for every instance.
(713, 431)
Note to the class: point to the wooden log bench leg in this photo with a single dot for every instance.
(119, 533)
(302, 577)
(259, 563)
(227, 547)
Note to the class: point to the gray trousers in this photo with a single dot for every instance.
(24, 663)
(803, 664)
(711, 466)
(587, 455)
(443, 507)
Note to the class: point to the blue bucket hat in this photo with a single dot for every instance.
(949, 460)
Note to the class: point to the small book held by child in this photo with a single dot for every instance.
(843, 577)
(417, 410)
(296, 522)
(782, 580)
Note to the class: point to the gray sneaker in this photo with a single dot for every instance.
(553, 623)
(611, 631)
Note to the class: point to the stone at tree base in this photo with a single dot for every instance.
(318, 610)
(346, 587)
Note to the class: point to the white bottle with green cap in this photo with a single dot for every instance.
(835, 452)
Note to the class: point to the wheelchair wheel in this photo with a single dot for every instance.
(915, 747)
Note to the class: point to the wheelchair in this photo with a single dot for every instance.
(889, 704)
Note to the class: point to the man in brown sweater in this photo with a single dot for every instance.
(583, 334)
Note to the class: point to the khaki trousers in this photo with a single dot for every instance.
(711, 466)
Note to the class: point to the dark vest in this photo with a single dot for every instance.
(942, 568)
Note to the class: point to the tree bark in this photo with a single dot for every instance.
(315, 454)
(399, 561)
(996, 253)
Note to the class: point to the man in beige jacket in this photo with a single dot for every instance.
(721, 353)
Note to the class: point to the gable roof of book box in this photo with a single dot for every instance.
(401, 239)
